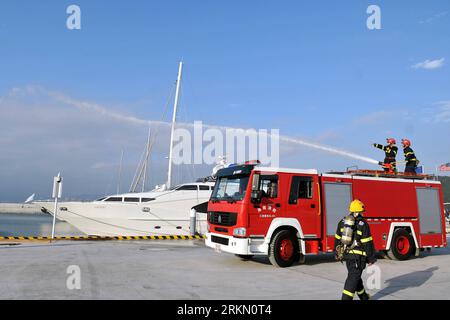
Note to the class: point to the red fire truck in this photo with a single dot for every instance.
(286, 214)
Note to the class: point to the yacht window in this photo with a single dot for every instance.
(147, 199)
(188, 187)
(205, 188)
(114, 199)
(101, 199)
(131, 199)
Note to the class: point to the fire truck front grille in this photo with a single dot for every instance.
(226, 219)
(219, 240)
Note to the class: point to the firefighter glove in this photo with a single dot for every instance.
(339, 254)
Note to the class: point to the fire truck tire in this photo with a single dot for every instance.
(402, 245)
(283, 249)
(244, 256)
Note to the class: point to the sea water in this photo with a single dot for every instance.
(31, 225)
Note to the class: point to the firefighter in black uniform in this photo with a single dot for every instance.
(410, 157)
(390, 151)
(354, 245)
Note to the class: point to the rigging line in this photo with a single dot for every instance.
(135, 183)
(190, 88)
(149, 146)
(165, 111)
(184, 107)
(141, 167)
(148, 168)
(147, 154)
(166, 108)
(142, 164)
(138, 173)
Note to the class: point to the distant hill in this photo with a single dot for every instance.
(445, 188)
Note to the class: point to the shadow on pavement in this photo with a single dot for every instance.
(409, 280)
(311, 260)
(434, 252)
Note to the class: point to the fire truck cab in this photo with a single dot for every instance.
(286, 214)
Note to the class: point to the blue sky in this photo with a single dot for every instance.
(310, 68)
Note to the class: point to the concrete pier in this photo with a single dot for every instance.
(19, 208)
(189, 270)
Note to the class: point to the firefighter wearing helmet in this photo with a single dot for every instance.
(390, 151)
(410, 157)
(354, 245)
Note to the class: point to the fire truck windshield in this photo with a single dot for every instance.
(230, 188)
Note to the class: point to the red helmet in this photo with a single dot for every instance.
(391, 141)
(406, 143)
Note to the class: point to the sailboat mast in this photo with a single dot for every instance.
(120, 173)
(174, 118)
(147, 154)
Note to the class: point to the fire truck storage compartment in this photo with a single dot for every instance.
(337, 200)
(429, 211)
(312, 246)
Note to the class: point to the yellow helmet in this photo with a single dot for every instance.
(356, 206)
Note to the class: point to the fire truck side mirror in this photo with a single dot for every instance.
(256, 194)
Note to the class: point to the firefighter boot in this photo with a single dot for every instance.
(347, 295)
(363, 295)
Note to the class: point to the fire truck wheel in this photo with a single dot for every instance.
(402, 245)
(283, 249)
(244, 256)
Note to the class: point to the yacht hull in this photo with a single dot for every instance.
(130, 219)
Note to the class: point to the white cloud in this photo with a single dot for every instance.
(44, 132)
(429, 64)
(329, 134)
(372, 118)
(434, 17)
(382, 117)
(443, 112)
(103, 165)
(81, 105)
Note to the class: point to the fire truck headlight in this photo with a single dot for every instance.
(240, 232)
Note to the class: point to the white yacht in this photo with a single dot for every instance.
(136, 214)
(163, 211)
